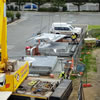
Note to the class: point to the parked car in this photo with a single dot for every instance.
(64, 28)
(30, 7)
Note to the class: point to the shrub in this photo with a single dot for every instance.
(64, 8)
(10, 15)
(43, 9)
(50, 9)
(18, 15)
(11, 8)
(16, 8)
(8, 8)
(54, 9)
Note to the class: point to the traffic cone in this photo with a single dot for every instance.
(87, 85)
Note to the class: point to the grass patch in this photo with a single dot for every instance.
(95, 31)
(89, 60)
(95, 69)
(93, 27)
(73, 77)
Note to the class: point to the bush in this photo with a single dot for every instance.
(96, 33)
(54, 9)
(18, 15)
(8, 8)
(64, 8)
(51, 9)
(16, 8)
(11, 8)
(10, 15)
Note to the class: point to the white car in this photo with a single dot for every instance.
(64, 28)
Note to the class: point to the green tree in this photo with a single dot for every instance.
(58, 3)
(78, 3)
(20, 3)
(39, 2)
(8, 1)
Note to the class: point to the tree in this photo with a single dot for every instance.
(96, 1)
(20, 2)
(39, 2)
(78, 3)
(58, 3)
(8, 1)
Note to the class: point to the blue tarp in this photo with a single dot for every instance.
(34, 6)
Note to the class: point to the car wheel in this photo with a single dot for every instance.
(57, 33)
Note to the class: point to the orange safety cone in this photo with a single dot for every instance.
(87, 85)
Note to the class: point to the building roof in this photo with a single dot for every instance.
(57, 49)
(48, 61)
(42, 64)
(47, 37)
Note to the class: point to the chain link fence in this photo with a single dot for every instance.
(81, 92)
(78, 50)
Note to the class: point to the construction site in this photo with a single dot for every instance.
(56, 65)
(48, 55)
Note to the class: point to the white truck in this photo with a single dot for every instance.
(64, 28)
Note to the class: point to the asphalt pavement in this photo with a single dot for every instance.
(34, 22)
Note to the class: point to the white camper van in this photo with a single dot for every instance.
(64, 28)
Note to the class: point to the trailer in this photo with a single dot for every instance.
(43, 89)
(43, 79)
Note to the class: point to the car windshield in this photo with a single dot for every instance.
(62, 28)
(71, 27)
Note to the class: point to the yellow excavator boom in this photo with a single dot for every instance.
(3, 35)
(12, 72)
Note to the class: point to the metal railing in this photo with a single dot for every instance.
(78, 50)
(81, 92)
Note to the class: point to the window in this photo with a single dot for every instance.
(71, 27)
(67, 29)
(62, 28)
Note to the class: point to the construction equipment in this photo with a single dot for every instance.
(12, 72)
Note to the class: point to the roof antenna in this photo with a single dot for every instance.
(49, 23)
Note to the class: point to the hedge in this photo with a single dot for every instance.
(51, 9)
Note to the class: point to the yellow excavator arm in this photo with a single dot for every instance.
(12, 72)
(3, 36)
